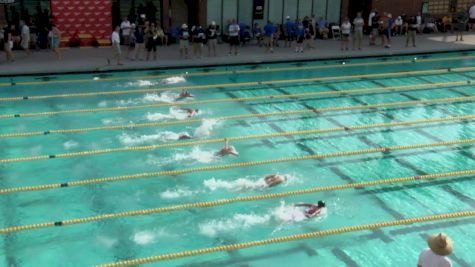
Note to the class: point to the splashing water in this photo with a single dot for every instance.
(196, 155)
(107, 241)
(177, 193)
(173, 114)
(134, 139)
(240, 184)
(166, 97)
(173, 80)
(70, 144)
(150, 236)
(238, 221)
(289, 214)
(206, 127)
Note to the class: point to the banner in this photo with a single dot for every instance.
(258, 9)
(74, 17)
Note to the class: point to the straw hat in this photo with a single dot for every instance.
(440, 244)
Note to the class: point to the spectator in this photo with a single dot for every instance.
(310, 34)
(269, 31)
(447, 23)
(131, 46)
(461, 25)
(288, 32)
(126, 27)
(184, 36)
(116, 45)
(152, 37)
(197, 38)
(345, 34)
(398, 26)
(278, 32)
(323, 28)
(471, 20)
(374, 28)
(358, 23)
(405, 24)
(385, 30)
(163, 37)
(300, 36)
(233, 31)
(419, 22)
(139, 44)
(430, 26)
(55, 36)
(370, 18)
(257, 31)
(313, 27)
(25, 37)
(8, 42)
(212, 36)
(440, 246)
(411, 31)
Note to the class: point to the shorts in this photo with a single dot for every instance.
(233, 40)
(9, 46)
(386, 33)
(184, 44)
(116, 49)
(267, 39)
(460, 27)
(374, 32)
(289, 37)
(25, 43)
(345, 35)
(212, 42)
(358, 35)
(471, 20)
(151, 45)
(300, 39)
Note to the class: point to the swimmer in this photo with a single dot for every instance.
(227, 149)
(274, 179)
(184, 136)
(311, 210)
(184, 94)
(190, 111)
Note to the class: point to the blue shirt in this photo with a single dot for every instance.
(322, 24)
(269, 29)
(139, 37)
(289, 27)
(300, 30)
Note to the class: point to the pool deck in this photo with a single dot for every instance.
(95, 59)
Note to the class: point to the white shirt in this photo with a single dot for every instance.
(346, 28)
(233, 30)
(419, 20)
(398, 22)
(125, 27)
(115, 38)
(25, 32)
(427, 258)
(370, 19)
(359, 23)
(472, 12)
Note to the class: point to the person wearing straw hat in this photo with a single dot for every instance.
(440, 246)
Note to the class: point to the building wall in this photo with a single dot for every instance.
(409, 7)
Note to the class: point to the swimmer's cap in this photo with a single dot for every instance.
(321, 204)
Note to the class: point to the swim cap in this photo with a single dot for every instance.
(321, 204)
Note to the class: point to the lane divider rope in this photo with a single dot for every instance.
(234, 117)
(267, 242)
(156, 90)
(230, 166)
(227, 72)
(240, 138)
(227, 201)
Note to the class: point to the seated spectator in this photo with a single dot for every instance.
(430, 26)
(398, 26)
(257, 32)
(162, 36)
(447, 23)
(323, 28)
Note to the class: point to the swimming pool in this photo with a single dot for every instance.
(75, 146)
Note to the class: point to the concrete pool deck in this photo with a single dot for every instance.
(95, 59)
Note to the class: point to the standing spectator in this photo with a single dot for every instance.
(440, 246)
(322, 28)
(139, 44)
(55, 36)
(131, 46)
(184, 36)
(8, 42)
(461, 25)
(358, 23)
(345, 34)
(233, 31)
(197, 38)
(25, 37)
(370, 18)
(269, 31)
(313, 27)
(257, 31)
(152, 37)
(288, 32)
(447, 23)
(411, 31)
(374, 28)
(116, 45)
(419, 22)
(161, 34)
(309, 34)
(471, 13)
(300, 31)
(398, 26)
(212, 36)
(385, 31)
(126, 29)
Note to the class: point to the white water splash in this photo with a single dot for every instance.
(135, 139)
(177, 193)
(150, 236)
(241, 184)
(237, 222)
(196, 154)
(174, 113)
(288, 213)
(166, 97)
(173, 80)
(107, 241)
(206, 127)
(70, 144)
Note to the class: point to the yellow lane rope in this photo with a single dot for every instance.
(210, 101)
(224, 118)
(231, 166)
(227, 201)
(266, 242)
(156, 90)
(241, 138)
(264, 70)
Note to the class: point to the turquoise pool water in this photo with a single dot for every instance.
(126, 238)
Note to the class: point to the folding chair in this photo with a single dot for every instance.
(336, 33)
